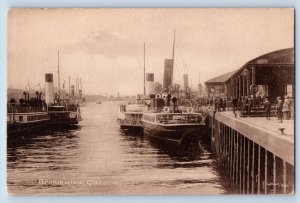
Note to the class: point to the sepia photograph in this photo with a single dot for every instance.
(150, 101)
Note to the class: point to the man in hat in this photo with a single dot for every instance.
(279, 107)
(267, 108)
(234, 103)
(224, 104)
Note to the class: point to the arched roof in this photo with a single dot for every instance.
(279, 57)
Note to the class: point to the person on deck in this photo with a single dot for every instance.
(220, 104)
(250, 105)
(234, 102)
(247, 105)
(224, 104)
(267, 108)
(279, 107)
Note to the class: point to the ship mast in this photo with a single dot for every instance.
(80, 87)
(69, 85)
(58, 74)
(173, 48)
(173, 56)
(144, 69)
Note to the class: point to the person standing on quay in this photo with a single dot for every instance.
(279, 109)
(267, 108)
(224, 104)
(234, 102)
(250, 104)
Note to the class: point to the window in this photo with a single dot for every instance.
(289, 90)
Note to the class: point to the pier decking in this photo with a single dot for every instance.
(254, 152)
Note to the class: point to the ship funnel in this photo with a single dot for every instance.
(72, 91)
(185, 82)
(149, 83)
(168, 74)
(49, 92)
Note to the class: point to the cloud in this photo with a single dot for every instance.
(107, 44)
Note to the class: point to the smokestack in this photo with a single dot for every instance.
(72, 91)
(185, 81)
(168, 74)
(199, 89)
(149, 83)
(49, 93)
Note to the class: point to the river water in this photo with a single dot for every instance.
(99, 158)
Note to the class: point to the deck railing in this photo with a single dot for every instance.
(179, 119)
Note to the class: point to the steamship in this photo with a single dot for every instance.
(172, 124)
(62, 112)
(26, 115)
(168, 121)
(130, 115)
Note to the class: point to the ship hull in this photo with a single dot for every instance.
(174, 134)
(16, 128)
(130, 117)
(130, 125)
(62, 118)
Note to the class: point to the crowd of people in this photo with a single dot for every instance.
(27, 104)
(248, 105)
(37, 103)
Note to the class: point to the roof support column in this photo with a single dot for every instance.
(247, 74)
(231, 87)
(244, 85)
(240, 86)
(253, 75)
(236, 87)
(248, 86)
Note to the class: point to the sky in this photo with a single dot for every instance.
(104, 47)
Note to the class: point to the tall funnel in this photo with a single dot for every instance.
(185, 82)
(49, 92)
(72, 90)
(199, 89)
(168, 74)
(149, 83)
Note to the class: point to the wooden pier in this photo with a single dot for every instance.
(256, 154)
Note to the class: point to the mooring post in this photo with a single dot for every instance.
(248, 168)
(244, 165)
(258, 171)
(252, 170)
(234, 154)
(226, 148)
(240, 167)
(237, 160)
(222, 145)
(266, 171)
(274, 174)
(230, 152)
(220, 140)
(284, 177)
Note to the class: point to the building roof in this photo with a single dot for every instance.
(283, 56)
(279, 57)
(222, 78)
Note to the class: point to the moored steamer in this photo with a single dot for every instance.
(25, 118)
(174, 128)
(62, 112)
(130, 115)
(64, 115)
(170, 119)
